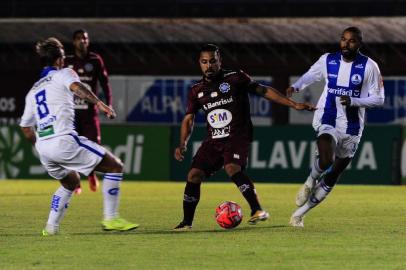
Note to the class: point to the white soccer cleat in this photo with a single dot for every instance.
(296, 221)
(303, 195)
(259, 215)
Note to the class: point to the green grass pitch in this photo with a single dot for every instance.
(357, 227)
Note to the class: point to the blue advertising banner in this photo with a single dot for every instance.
(393, 110)
(163, 99)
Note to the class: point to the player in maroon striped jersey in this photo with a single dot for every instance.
(92, 72)
(223, 96)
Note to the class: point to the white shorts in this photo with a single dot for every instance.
(62, 154)
(346, 144)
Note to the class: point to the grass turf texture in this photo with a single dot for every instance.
(357, 227)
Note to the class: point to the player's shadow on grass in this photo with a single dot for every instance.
(171, 232)
(243, 229)
(150, 232)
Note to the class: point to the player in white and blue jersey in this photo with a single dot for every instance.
(353, 83)
(48, 123)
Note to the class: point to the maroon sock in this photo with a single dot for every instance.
(191, 198)
(247, 189)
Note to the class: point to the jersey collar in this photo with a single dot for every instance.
(46, 70)
(218, 77)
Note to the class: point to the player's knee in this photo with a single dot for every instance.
(232, 169)
(194, 180)
(118, 166)
(71, 181)
(195, 176)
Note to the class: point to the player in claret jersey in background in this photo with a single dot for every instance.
(48, 123)
(92, 73)
(353, 83)
(223, 96)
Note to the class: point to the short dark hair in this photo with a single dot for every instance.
(77, 32)
(210, 48)
(355, 30)
(49, 50)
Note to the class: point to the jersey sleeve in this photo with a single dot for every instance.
(67, 77)
(28, 118)
(193, 105)
(374, 83)
(247, 82)
(314, 74)
(104, 81)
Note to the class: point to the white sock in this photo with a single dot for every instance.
(111, 194)
(320, 193)
(316, 171)
(59, 204)
(310, 182)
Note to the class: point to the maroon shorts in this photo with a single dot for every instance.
(88, 127)
(213, 155)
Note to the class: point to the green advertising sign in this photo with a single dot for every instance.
(285, 154)
(17, 156)
(142, 150)
(278, 154)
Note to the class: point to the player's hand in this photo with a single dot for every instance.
(107, 110)
(179, 153)
(305, 106)
(345, 100)
(290, 91)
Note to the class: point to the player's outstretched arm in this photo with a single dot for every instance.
(185, 132)
(368, 102)
(29, 134)
(83, 92)
(272, 94)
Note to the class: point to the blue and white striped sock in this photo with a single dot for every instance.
(320, 193)
(111, 194)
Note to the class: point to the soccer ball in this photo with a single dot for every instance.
(228, 215)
